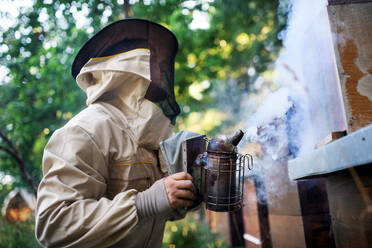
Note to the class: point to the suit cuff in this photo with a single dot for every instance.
(153, 201)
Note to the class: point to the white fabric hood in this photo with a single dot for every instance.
(122, 80)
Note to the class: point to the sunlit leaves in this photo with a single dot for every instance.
(38, 95)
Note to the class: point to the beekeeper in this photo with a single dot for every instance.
(105, 182)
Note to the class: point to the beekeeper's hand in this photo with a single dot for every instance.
(165, 195)
(180, 190)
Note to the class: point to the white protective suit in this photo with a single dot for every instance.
(95, 166)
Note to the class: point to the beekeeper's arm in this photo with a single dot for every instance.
(71, 208)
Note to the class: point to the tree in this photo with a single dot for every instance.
(38, 95)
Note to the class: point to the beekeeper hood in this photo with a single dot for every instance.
(130, 63)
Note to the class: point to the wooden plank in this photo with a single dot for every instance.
(318, 231)
(219, 223)
(313, 196)
(351, 25)
(349, 151)
(286, 226)
(236, 228)
(255, 216)
(281, 192)
(315, 213)
(287, 231)
(352, 234)
(364, 173)
(316, 67)
(350, 208)
(331, 137)
(335, 2)
(263, 214)
(250, 214)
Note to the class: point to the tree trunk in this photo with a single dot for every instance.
(126, 9)
(14, 153)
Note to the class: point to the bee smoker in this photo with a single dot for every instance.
(218, 173)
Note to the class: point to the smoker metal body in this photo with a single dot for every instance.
(218, 173)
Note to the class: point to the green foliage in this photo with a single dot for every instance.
(240, 44)
(189, 232)
(214, 66)
(4, 191)
(17, 234)
(38, 95)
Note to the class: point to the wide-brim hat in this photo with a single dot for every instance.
(128, 34)
(155, 37)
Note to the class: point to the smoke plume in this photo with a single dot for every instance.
(301, 101)
(292, 119)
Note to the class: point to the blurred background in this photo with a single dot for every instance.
(224, 67)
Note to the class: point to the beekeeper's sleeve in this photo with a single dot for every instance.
(71, 208)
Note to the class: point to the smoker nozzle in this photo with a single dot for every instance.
(235, 137)
(225, 143)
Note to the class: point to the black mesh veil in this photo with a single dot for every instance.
(162, 71)
(129, 34)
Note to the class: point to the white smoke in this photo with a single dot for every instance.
(291, 120)
(302, 100)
